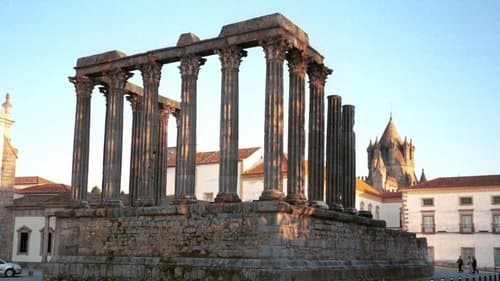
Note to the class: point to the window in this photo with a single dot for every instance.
(370, 207)
(362, 206)
(377, 212)
(208, 196)
(497, 258)
(466, 253)
(23, 238)
(466, 225)
(428, 223)
(496, 222)
(495, 200)
(465, 200)
(427, 202)
(49, 243)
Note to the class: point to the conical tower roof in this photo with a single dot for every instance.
(390, 134)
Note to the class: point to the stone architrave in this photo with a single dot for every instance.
(334, 189)
(185, 170)
(317, 78)
(349, 158)
(275, 50)
(297, 65)
(80, 166)
(113, 137)
(162, 157)
(134, 100)
(148, 133)
(228, 169)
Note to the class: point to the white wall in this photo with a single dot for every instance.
(35, 223)
(447, 241)
(390, 212)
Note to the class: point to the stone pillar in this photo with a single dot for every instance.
(317, 78)
(273, 125)
(80, 166)
(113, 138)
(185, 170)
(349, 159)
(148, 133)
(161, 160)
(134, 100)
(45, 244)
(228, 168)
(297, 64)
(334, 189)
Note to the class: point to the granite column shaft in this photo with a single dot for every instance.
(113, 138)
(296, 127)
(80, 164)
(185, 170)
(316, 148)
(334, 189)
(228, 169)
(273, 125)
(148, 133)
(161, 160)
(349, 157)
(134, 150)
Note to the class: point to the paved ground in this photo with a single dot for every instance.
(447, 273)
(37, 276)
(439, 272)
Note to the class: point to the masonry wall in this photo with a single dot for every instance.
(7, 179)
(241, 241)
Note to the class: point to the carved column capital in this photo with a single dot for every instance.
(297, 62)
(134, 100)
(104, 90)
(118, 78)
(275, 49)
(151, 72)
(190, 65)
(83, 85)
(230, 57)
(318, 73)
(164, 110)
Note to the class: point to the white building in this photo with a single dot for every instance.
(458, 216)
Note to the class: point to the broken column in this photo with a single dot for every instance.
(349, 159)
(334, 188)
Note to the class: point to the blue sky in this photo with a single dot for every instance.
(434, 64)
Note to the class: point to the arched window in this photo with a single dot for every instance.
(362, 206)
(377, 212)
(370, 207)
(23, 240)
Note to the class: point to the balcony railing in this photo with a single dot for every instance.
(466, 228)
(428, 228)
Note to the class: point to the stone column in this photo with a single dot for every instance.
(334, 189)
(161, 160)
(349, 159)
(297, 64)
(273, 125)
(45, 244)
(113, 138)
(80, 166)
(317, 78)
(185, 170)
(148, 133)
(134, 100)
(228, 168)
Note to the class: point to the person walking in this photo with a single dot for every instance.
(474, 265)
(460, 263)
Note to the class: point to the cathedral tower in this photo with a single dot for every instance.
(391, 161)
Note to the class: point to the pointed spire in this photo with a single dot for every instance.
(390, 135)
(423, 178)
(7, 106)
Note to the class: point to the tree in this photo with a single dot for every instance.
(95, 190)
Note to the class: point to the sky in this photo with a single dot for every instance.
(434, 65)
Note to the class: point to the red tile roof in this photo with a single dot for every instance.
(469, 181)
(258, 170)
(210, 157)
(45, 200)
(31, 180)
(44, 188)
